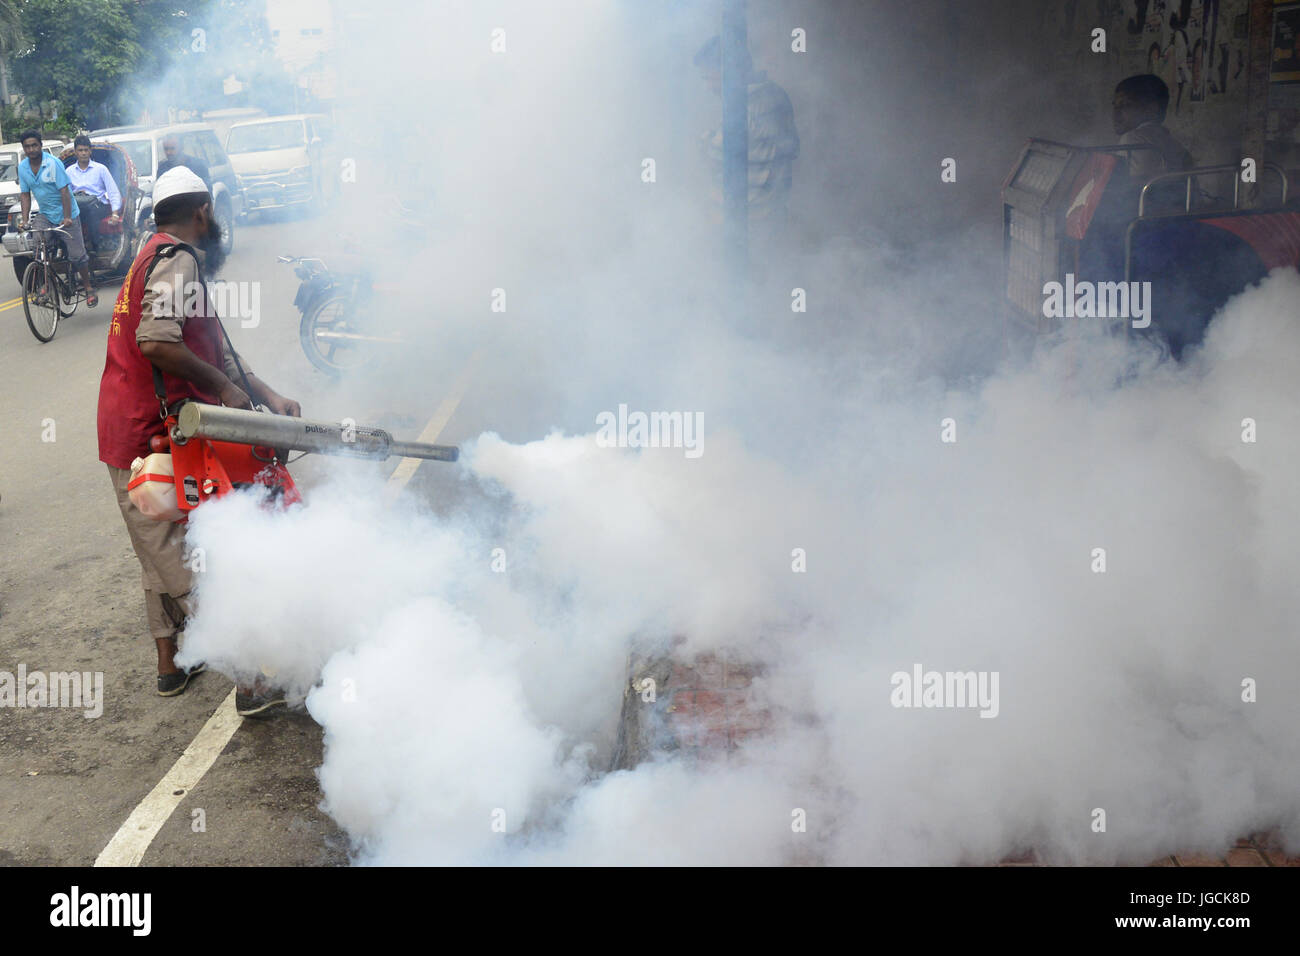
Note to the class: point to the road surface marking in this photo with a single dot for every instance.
(133, 838)
(128, 846)
(406, 467)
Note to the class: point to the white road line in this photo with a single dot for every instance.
(128, 846)
(133, 838)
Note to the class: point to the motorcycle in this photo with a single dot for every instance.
(335, 330)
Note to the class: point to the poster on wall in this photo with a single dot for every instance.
(1285, 66)
(1198, 47)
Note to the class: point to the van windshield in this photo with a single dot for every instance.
(262, 137)
(141, 153)
(9, 167)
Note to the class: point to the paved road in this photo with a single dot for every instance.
(70, 599)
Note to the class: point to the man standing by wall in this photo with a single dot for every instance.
(152, 329)
(773, 144)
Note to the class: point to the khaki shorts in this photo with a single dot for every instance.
(160, 546)
(71, 236)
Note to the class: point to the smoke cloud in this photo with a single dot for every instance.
(469, 664)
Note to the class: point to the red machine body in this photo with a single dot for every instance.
(207, 469)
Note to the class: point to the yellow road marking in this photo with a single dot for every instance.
(406, 467)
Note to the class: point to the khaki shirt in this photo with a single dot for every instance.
(773, 148)
(170, 296)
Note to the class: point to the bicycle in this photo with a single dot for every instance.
(50, 290)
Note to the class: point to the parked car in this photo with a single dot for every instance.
(144, 144)
(117, 241)
(10, 157)
(284, 161)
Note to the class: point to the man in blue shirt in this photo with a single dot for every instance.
(44, 177)
(93, 189)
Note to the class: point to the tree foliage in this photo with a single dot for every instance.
(78, 54)
(103, 62)
(11, 27)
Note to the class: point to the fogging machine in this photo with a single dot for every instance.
(215, 449)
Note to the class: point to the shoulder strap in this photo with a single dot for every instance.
(164, 250)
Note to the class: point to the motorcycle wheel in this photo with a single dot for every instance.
(332, 313)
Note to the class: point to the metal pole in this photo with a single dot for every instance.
(216, 423)
(735, 137)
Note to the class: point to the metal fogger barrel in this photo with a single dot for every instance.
(218, 423)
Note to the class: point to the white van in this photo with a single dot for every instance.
(283, 161)
(144, 144)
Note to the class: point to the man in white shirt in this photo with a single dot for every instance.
(95, 191)
(1140, 105)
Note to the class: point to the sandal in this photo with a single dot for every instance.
(92, 300)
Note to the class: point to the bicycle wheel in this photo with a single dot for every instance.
(41, 308)
(325, 333)
(68, 298)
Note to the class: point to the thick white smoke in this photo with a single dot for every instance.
(449, 690)
(459, 699)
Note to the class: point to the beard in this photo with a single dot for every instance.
(210, 245)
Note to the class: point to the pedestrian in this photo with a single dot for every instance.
(772, 138)
(160, 335)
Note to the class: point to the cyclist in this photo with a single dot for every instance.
(44, 177)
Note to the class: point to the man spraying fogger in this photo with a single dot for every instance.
(165, 344)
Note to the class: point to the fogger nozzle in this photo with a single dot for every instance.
(218, 423)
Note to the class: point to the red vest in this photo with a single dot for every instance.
(128, 406)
